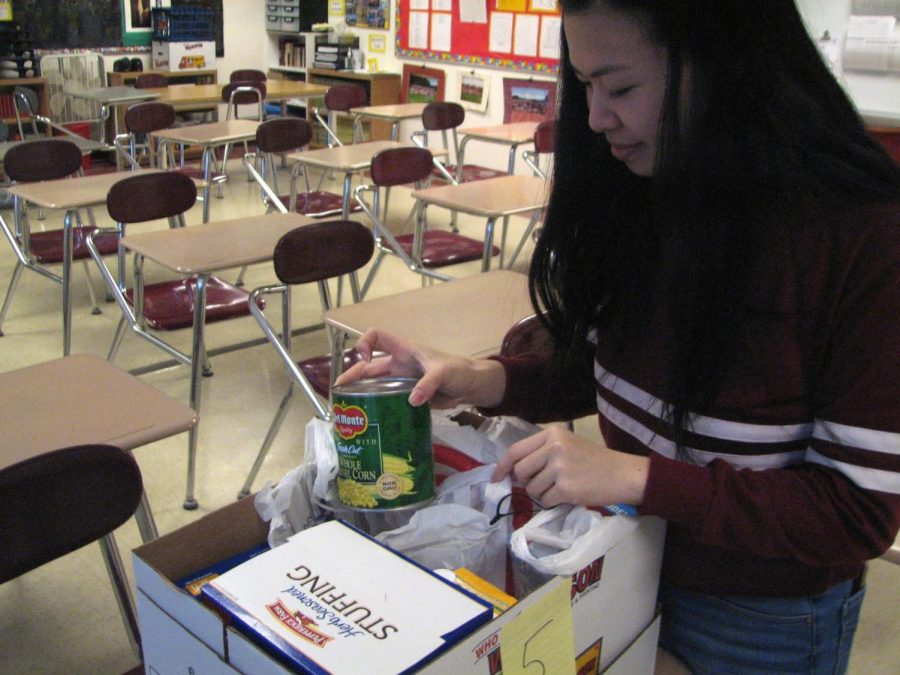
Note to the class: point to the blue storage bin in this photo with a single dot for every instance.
(182, 24)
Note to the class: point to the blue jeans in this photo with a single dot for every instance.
(736, 635)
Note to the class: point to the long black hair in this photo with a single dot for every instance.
(768, 132)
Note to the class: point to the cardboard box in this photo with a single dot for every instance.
(613, 601)
(183, 56)
(332, 598)
(640, 655)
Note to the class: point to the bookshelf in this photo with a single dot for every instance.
(290, 57)
(39, 84)
(289, 53)
(208, 76)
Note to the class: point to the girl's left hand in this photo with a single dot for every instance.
(556, 466)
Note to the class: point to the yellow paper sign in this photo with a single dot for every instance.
(539, 641)
(511, 5)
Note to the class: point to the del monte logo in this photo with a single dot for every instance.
(349, 421)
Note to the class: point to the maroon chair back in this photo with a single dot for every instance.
(322, 250)
(545, 136)
(283, 134)
(527, 336)
(142, 118)
(59, 501)
(244, 97)
(151, 81)
(441, 115)
(44, 159)
(247, 75)
(342, 97)
(398, 166)
(151, 196)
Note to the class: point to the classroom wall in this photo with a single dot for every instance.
(877, 95)
(245, 41)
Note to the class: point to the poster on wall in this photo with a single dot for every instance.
(368, 13)
(528, 100)
(520, 35)
(136, 28)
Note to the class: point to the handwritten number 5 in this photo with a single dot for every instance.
(535, 661)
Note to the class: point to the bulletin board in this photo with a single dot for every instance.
(521, 35)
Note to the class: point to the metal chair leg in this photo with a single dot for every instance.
(95, 307)
(13, 283)
(269, 439)
(117, 340)
(116, 571)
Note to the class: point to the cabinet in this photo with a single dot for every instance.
(114, 79)
(38, 84)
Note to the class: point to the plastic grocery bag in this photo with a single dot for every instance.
(292, 504)
(563, 540)
(459, 528)
(485, 442)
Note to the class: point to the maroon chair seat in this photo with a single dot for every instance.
(441, 248)
(143, 118)
(28, 162)
(447, 116)
(169, 305)
(340, 98)
(288, 134)
(317, 369)
(318, 203)
(47, 247)
(314, 253)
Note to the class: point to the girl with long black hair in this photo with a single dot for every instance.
(720, 271)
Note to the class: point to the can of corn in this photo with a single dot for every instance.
(385, 458)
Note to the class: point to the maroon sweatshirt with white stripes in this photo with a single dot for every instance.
(790, 480)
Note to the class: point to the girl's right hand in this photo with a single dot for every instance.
(443, 379)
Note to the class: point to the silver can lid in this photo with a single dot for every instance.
(376, 386)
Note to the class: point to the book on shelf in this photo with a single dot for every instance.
(329, 65)
(7, 106)
(337, 49)
(330, 57)
(293, 55)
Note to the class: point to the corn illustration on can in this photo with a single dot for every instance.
(385, 458)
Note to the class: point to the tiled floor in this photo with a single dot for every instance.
(62, 618)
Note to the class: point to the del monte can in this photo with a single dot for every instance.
(385, 459)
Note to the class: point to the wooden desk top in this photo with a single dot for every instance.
(468, 316)
(117, 94)
(72, 193)
(513, 132)
(491, 197)
(200, 249)
(212, 133)
(81, 399)
(391, 111)
(180, 95)
(348, 158)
